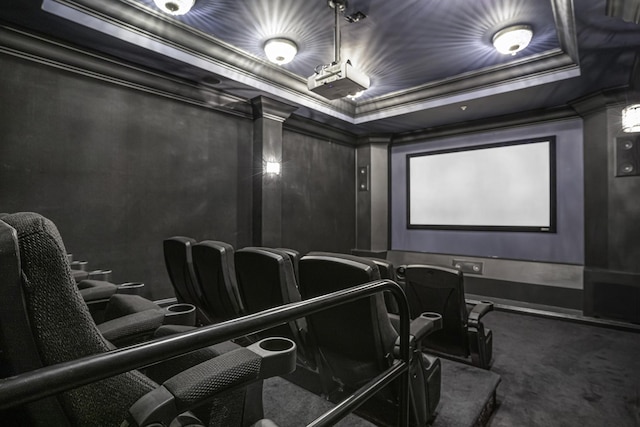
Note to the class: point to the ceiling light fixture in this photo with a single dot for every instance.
(356, 95)
(513, 39)
(631, 118)
(280, 51)
(175, 7)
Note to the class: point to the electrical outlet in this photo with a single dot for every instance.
(470, 267)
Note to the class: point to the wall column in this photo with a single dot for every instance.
(268, 116)
(372, 180)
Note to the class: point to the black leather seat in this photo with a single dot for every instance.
(441, 290)
(44, 321)
(179, 263)
(215, 276)
(356, 340)
(387, 271)
(266, 279)
(295, 256)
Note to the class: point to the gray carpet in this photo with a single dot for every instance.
(553, 374)
(465, 392)
(557, 373)
(288, 405)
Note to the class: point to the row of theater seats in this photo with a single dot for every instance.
(44, 321)
(345, 345)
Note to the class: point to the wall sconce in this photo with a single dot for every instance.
(513, 39)
(175, 7)
(631, 118)
(280, 51)
(272, 168)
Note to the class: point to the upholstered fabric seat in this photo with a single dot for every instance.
(44, 321)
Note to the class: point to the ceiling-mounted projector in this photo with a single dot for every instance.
(338, 80)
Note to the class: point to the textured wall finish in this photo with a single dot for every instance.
(318, 194)
(118, 170)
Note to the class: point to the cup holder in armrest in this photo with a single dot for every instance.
(436, 318)
(79, 265)
(104, 275)
(278, 356)
(180, 314)
(131, 288)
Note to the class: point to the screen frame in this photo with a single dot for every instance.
(510, 228)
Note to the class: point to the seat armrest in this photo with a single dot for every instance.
(126, 329)
(96, 290)
(478, 311)
(424, 325)
(201, 383)
(419, 328)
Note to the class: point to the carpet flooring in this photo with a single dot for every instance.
(553, 374)
(558, 373)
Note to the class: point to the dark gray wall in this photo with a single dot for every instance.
(119, 170)
(318, 194)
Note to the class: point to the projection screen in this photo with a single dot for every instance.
(508, 186)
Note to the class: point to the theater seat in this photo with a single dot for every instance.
(356, 341)
(294, 256)
(441, 290)
(266, 279)
(387, 271)
(44, 321)
(179, 262)
(215, 273)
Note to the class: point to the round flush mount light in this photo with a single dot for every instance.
(513, 39)
(631, 118)
(175, 7)
(280, 51)
(356, 95)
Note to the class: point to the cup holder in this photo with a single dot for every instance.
(276, 344)
(436, 318)
(278, 356)
(104, 275)
(180, 314)
(79, 265)
(131, 288)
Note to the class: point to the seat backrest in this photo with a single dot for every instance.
(60, 327)
(440, 290)
(355, 339)
(294, 255)
(178, 260)
(387, 271)
(266, 279)
(215, 272)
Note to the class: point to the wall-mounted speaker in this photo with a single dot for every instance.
(628, 156)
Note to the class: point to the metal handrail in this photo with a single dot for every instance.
(43, 382)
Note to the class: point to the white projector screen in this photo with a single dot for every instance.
(507, 186)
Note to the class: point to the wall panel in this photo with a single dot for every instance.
(119, 170)
(318, 194)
